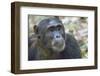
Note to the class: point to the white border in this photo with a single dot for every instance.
(25, 64)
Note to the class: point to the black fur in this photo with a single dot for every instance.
(38, 51)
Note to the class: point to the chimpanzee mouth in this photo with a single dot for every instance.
(58, 46)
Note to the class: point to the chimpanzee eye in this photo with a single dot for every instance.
(51, 28)
(59, 27)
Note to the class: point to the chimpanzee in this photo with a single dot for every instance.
(52, 42)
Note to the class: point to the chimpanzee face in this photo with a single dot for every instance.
(52, 34)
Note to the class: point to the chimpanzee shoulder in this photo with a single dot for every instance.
(72, 49)
(32, 50)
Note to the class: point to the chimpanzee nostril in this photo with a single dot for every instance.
(57, 36)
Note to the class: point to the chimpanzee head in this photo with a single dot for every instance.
(51, 34)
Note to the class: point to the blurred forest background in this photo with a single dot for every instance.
(77, 26)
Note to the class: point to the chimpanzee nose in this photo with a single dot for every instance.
(57, 36)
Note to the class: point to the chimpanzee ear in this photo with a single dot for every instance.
(35, 29)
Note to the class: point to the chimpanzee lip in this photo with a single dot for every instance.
(59, 45)
(58, 42)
